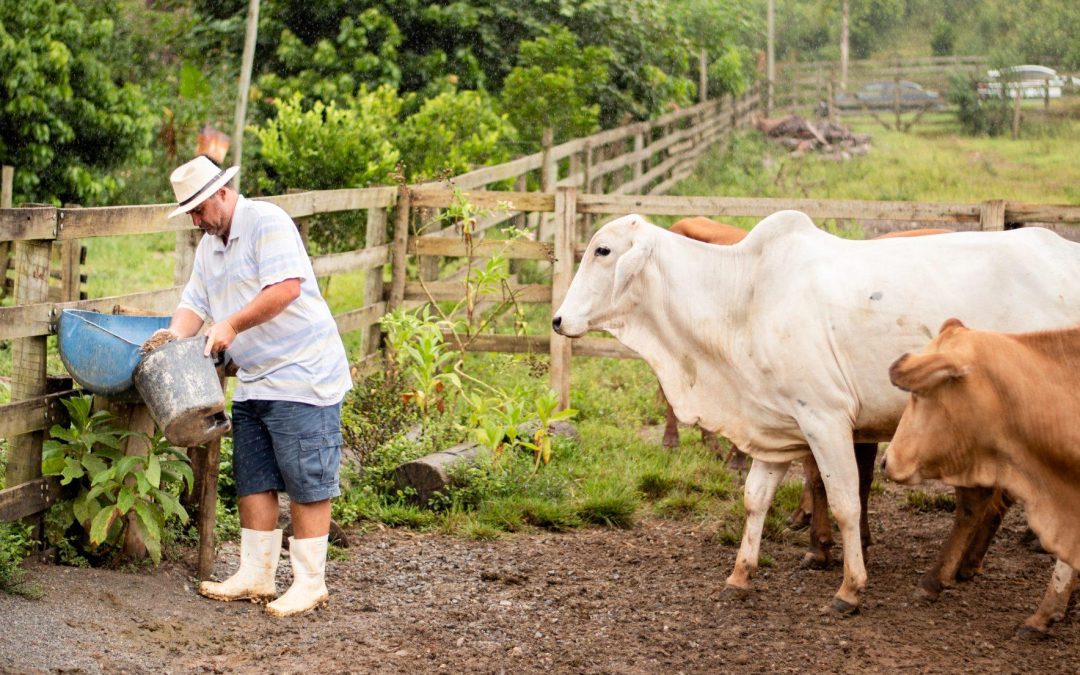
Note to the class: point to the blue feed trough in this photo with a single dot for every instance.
(101, 350)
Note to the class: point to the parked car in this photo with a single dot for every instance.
(883, 96)
(1032, 81)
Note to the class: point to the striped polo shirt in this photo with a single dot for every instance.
(298, 354)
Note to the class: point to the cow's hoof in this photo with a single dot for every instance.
(1028, 632)
(798, 520)
(670, 443)
(734, 593)
(840, 608)
(923, 594)
(811, 561)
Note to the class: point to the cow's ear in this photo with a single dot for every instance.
(628, 266)
(919, 373)
(951, 323)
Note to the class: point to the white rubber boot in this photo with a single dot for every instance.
(308, 589)
(259, 554)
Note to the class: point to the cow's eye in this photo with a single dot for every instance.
(602, 251)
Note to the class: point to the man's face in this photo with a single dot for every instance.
(211, 216)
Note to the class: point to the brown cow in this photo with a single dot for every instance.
(997, 411)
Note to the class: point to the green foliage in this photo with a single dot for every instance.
(362, 53)
(979, 116)
(115, 490)
(422, 358)
(921, 501)
(556, 85)
(331, 146)
(16, 543)
(64, 122)
(943, 41)
(453, 133)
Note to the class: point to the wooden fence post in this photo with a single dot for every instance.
(28, 357)
(548, 178)
(186, 243)
(562, 274)
(7, 181)
(373, 282)
(639, 145)
(992, 215)
(400, 249)
(1016, 111)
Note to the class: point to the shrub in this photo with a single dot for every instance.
(979, 116)
(15, 545)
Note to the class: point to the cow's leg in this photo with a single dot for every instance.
(671, 425)
(1054, 603)
(835, 455)
(758, 494)
(993, 513)
(865, 456)
(971, 508)
(800, 517)
(736, 460)
(819, 555)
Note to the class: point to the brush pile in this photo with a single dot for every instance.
(801, 136)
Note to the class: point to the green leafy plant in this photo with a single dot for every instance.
(16, 542)
(115, 490)
(421, 357)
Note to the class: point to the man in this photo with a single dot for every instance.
(252, 281)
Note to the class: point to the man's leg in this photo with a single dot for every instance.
(311, 520)
(259, 511)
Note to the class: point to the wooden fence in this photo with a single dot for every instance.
(647, 157)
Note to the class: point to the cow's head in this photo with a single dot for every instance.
(605, 284)
(944, 417)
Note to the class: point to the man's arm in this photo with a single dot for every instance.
(185, 322)
(271, 301)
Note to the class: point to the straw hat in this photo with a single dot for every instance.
(196, 181)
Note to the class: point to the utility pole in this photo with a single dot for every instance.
(239, 120)
(843, 44)
(770, 68)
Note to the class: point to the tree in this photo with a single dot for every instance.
(64, 123)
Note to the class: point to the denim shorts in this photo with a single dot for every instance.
(287, 446)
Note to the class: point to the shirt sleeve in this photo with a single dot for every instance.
(194, 296)
(279, 251)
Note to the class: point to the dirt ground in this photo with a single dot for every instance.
(646, 600)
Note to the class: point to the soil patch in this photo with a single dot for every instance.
(645, 600)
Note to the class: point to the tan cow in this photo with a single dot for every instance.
(1000, 410)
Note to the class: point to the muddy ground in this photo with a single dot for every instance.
(645, 600)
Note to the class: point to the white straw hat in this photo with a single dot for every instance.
(196, 181)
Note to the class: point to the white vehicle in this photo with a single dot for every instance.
(1032, 81)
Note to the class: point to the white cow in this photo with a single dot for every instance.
(782, 343)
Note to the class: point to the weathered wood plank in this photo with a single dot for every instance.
(36, 319)
(356, 319)
(32, 222)
(752, 206)
(402, 209)
(32, 414)
(375, 236)
(562, 269)
(351, 261)
(1041, 213)
(491, 174)
(29, 498)
(508, 248)
(117, 220)
(441, 198)
(300, 204)
(455, 290)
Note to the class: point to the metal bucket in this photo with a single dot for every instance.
(181, 388)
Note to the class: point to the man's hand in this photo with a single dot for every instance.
(219, 337)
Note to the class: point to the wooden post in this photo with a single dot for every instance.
(562, 274)
(208, 509)
(548, 177)
(401, 242)
(1016, 111)
(1046, 95)
(28, 358)
(70, 274)
(992, 215)
(703, 75)
(373, 282)
(427, 265)
(7, 180)
(639, 145)
(246, 61)
(186, 243)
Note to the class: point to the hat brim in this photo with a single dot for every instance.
(206, 192)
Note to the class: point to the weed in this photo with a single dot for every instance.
(549, 515)
(930, 502)
(16, 543)
(681, 504)
(655, 485)
(613, 510)
(337, 553)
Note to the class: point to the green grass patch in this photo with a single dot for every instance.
(921, 501)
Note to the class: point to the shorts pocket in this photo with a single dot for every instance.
(319, 458)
